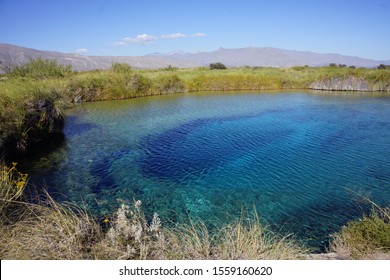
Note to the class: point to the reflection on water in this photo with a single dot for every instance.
(297, 158)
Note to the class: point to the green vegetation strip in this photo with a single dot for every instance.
(33, 96)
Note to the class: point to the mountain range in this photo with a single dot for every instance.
(251, 56)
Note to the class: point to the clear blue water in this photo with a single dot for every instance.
(297, 158)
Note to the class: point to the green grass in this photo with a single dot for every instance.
(39, 69)
(24, 120)
(366, 237)
(29, 111)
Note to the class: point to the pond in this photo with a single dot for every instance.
(303, 161)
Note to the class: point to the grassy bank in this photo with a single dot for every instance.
(49, 230)
(33, 96)
(29, 112)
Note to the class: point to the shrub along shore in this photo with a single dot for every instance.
(33, 98)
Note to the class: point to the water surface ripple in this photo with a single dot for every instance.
(297, 158)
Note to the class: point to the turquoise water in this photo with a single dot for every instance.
(297, 158)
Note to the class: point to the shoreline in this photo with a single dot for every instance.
(33, 110)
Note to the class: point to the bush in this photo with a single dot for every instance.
(123, 68)
(40, 69)
(369, 235)
(131, 234)
(217, 66)
(383, 66)
(170, 68)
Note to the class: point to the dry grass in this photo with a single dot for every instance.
(252, 240)
(50, 231)
(186, 241)
(55, 231)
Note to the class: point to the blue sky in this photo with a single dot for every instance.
(358, 28)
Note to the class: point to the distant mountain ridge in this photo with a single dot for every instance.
(15, 55)
(251, 56)
(272, 57)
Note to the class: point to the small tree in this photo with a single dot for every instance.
(170, 68)
(123, 68)
(383, 66)
(217, 66)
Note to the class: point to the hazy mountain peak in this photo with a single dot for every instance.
(250, 56)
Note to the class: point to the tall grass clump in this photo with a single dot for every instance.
(166, 84)
(122, 68)
(252, 240)
(50, 231)
(189, 241)
(29, 112)
(114, 84)
(86, 87)
(40, 69)
(243, 239)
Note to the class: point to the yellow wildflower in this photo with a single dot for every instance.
(20, 184)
